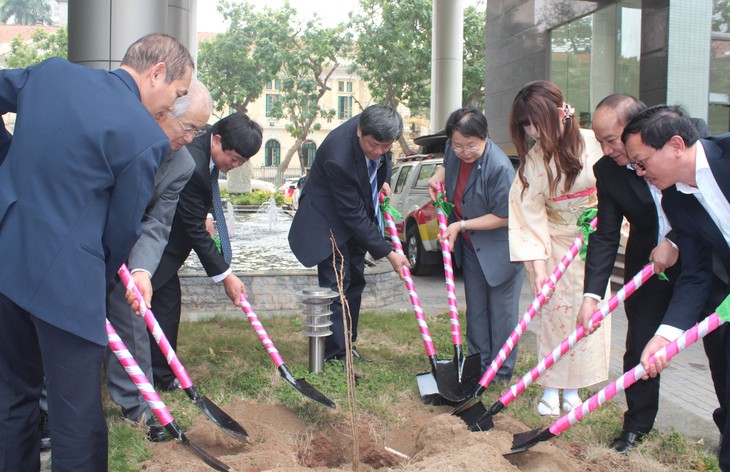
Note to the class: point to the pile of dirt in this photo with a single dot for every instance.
(426, 439)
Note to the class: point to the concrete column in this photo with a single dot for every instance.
(100, 31)
(688, 61)
(182, 23)
(447, 53)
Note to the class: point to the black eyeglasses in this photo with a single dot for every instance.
(640, 164)
(195, 132)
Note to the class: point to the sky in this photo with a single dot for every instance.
(332, 12)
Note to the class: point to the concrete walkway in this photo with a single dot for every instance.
(687, 398)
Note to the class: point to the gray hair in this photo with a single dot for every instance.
(197, 94)
(381, 122)
(155, 48)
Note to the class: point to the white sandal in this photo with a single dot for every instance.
(548, 410)
(570, 404)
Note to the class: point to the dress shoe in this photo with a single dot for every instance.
(156, 432)
(174, 385)
(45, 432)
(626, 440)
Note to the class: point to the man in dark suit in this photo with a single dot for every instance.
(622, 193)
(662, 145)
(73, 188)
(188, 118)
(226, 145)
(340, 201)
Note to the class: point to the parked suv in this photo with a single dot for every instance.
(418, 227)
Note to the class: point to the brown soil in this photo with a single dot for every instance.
(423, 439)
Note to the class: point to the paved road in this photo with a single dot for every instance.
(687, 397)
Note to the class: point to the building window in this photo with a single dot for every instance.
(718, 110)
(270, 99)
(344, 86)
(597, 55)
(309, 149)
(344, 107)
(272, 153)
(273, 84)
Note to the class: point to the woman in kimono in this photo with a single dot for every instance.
(554, 186)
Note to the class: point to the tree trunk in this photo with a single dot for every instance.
(284, 165)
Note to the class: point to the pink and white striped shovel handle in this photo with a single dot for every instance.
(698, 331)
(567, 344)
(408, 279)
(135, 373)
(448, 270)
(156, 330)
(261, 332)
(532, 310)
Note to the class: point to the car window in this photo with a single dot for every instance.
(424, 174)
(402, 177)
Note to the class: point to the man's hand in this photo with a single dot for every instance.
(398, 261)
(209, 226)
(587, 308)
(660, 362)
(664, 256)
(234, 288)
(144, 284)
(387, 191)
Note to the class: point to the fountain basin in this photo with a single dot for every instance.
(273, 276)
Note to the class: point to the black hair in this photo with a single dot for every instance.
(469, 122)
(381, 122)
(659, 123)
(240, 133)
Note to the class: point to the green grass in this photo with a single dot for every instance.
(226, 360)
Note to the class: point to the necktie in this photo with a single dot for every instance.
(373, 174)
(220, 218)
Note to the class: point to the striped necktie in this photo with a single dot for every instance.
(373, 174)
(220, 217)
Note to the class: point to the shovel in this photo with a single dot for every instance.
(156, 404)
(434, 386)
(301, 385)
(465, 370)
(472, 403)
(524, 441)
(209, 409)
(481, 420)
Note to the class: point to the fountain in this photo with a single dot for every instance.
(273, 276)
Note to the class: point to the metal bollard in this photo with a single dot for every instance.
(317, 319)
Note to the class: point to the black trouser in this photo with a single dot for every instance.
(166, 301)
(30, 348)
(352, 258)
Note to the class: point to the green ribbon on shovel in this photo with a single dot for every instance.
(441, 203)
(723, 311)
(584, 223)
(217, 242)
(386, 208)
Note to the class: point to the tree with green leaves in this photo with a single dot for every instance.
(236, 64)
(42, 46)
(25, 12)
(393, 52)
(313, 56)
(475, 64)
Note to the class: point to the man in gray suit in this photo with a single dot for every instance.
(188, 117)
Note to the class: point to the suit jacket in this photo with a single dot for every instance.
(698, 238)
(337, 198)
(170, 179)
(486, 192)
(73, 188)
(621, 193)
(188, 227)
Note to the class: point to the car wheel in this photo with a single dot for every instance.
(414, 250)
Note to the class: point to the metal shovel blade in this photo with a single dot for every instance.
(524, 441)
(304, 387)
(456, 389)
(472, 413)
(221, 418)
(429, 391)
(177, 433)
